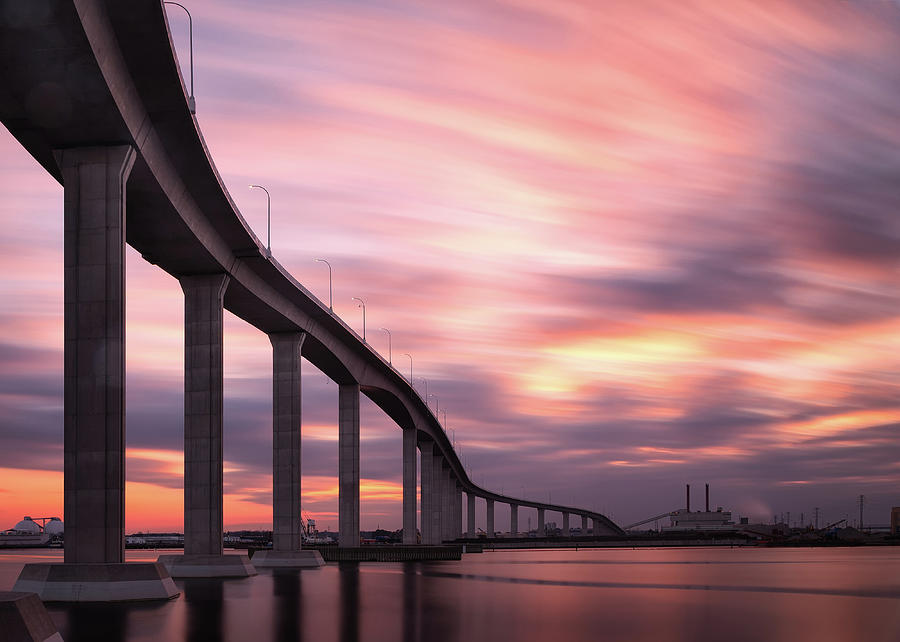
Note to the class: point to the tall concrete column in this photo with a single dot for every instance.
(348, 465)
(513, 520)
(286, 407)
(449, 489)
(565, 528)
(541, 529)
(409, 486)
(437, 502)
(457, 505)
(597, 527)
(489, 509)
(203, 391)
(94, 348)
(426, 448)
(470, 514)
(584, 525)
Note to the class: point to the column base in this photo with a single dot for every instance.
(288, 559)
(97, 582)
(207, 565)
(25, 619)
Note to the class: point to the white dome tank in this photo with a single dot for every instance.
(54, 526)
(28, 525)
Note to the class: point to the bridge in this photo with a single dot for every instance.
(93, 91)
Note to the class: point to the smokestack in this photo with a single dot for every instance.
(707, 498)
(688, 492)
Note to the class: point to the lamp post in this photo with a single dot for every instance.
(437, 408)
(362, 304)
(423, 380)
(192, 105)
(410, 366)
(389, 344)
(268, 217)
(445, 418)
(330, 296)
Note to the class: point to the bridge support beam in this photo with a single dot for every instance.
(489, 510)
(286, 422)
(94, 391)
(437, 503)
(565, 527)
(541, 529)
(448, 489)
(426, 448)
(584, 525)
(204, 296)
(457, 508)
(348, 465)
(513, 520)
(470, 514)
(597, 527)
(409, 486)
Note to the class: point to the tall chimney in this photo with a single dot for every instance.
(688, 492)
(707, 498)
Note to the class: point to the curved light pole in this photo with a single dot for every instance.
(362, 304)
(268, 217)
(445, 422)
(423, 380)
(192, 105)
(389, 344)
(410, 367)
(330, 296)
(437, 408)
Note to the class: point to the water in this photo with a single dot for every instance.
(646, 595)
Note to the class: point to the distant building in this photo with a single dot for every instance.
(895, 520)
(685, 520)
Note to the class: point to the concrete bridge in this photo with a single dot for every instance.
(93, 91)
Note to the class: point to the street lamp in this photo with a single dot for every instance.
(445, 418)
(268, 217)
(362, 304)
(410, 366)
(330, 297)
(389, 344)
(437, 409)
(192, 105)
(422, 379)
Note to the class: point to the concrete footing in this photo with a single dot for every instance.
(97, 582)
(23, 618)
(207, 565)
(288, 559)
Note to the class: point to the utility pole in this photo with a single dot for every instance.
(817, 518)
(862, 502)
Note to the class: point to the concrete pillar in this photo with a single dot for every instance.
(426, 448)
(541, 529)
(470, 514)
(597, 527)
(448, 490)
(565, 527)
(286, 407)
(94, 346)
(584, 525)
(489, 509)
(348, 465)
(437, 502)
(457, 505)
(409, 486)
(513, 520)
(203, 382)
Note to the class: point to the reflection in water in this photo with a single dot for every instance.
(92, 622)
(412, 630)
(205, 605)
(288, 605)
(349, 613)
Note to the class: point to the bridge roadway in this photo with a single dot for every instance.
(93, 90)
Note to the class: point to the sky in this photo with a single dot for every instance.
(627, 245)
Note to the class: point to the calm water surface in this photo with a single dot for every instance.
(648, 595)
